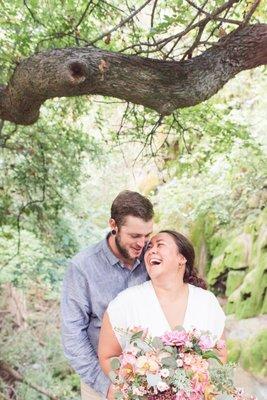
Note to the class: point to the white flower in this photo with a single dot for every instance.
(162, 386)
(188, 344)
(138, 392)
(179, 363)
(164, 372)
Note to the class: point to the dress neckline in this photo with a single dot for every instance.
(161, 312)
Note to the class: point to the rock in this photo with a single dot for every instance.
(247, 347)
(234, 280)
(238, 252)
(254, 355)
(239, 330)
(216, 269)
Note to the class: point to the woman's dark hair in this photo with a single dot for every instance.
(131, 203)
(186, 248)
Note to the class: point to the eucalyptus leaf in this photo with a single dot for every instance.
(115, 363)
(169, 362)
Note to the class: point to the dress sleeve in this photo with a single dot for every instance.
(117, 312)
(216, 317)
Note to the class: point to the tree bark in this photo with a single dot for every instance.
(160, 85)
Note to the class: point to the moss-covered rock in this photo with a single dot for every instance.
(238, 252)
(233, 350)
(217, 268)
(247, 301)
(264, 303)
(218, 242)
(254, 356)
(197, 236)
(244, 260)
(233, 302)
(234, 280)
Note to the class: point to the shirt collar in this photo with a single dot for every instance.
(111, 256)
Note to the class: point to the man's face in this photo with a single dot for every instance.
(132, 236)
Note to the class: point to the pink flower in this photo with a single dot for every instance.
(137, 329)
(181, 395)
(175, 338)
(205, 342)
(189, 359)
(146, 364)
(127, 358)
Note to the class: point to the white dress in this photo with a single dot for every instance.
(138, 306)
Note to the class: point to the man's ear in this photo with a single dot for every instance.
(112, 224)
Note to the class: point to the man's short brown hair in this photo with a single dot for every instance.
(131, 203)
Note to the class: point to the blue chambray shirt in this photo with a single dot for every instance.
(94, 277)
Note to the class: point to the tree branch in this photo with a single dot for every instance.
(160, 85)
(18, 377)
(123, 22)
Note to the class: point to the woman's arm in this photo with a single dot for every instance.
(222, 352)
(108, 345)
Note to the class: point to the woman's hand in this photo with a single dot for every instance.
(108, 345)
(222, 351)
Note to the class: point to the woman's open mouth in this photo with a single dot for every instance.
(155, 262)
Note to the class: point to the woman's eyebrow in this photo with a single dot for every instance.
(160, 240)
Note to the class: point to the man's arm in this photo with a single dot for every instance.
(75, 317)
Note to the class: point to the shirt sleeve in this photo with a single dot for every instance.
(75, 318)
(216, 316)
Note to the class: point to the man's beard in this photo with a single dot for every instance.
(124, 252)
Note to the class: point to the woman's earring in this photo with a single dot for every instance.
(113, 232)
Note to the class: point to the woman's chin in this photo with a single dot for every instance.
(154, 272)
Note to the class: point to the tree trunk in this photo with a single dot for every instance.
(160, 85)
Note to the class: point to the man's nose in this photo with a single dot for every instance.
(141, 242)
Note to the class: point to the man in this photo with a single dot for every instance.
(95, 276)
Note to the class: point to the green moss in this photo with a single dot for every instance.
(252, 292)
(242, 257)
(234, 280)
(264, 303)
(238, 252)
(216, 269)
(232, 302)
(217, 243)
(233, 350)
(254, 356)
(197, 236)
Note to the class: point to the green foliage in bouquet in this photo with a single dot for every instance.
(179, 365)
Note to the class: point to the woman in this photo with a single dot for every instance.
(174, 296)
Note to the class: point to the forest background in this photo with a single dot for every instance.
(203, 167)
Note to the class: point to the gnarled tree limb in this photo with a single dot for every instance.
(160, 85)
(7, 369)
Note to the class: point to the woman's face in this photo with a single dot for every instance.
(162, 256)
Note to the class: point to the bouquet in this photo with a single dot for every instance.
(179, 365)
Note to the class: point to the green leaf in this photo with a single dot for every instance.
(157, 343)
(115, 363)
(169, 362)
(210, 354)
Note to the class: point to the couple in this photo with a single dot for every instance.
(94, 292)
